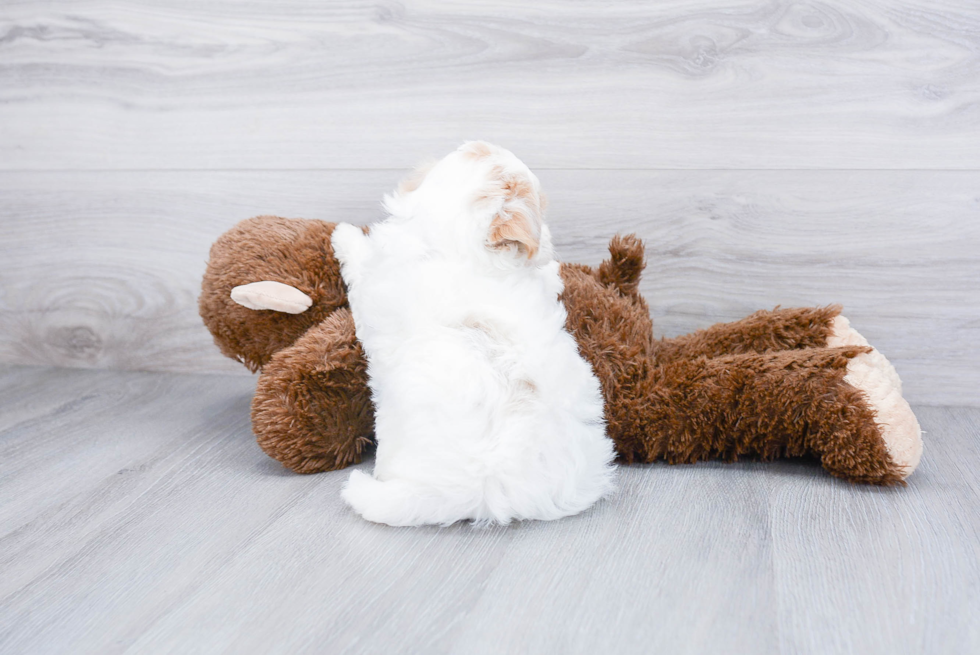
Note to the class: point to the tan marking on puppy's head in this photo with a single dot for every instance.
(519, 219)
(518, 222)
(416, 177)
(477, 149)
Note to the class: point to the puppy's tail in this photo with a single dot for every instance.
(401, 502)
(625, 264)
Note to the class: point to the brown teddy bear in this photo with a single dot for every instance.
(785, 383)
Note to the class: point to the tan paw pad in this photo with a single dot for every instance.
(843, 334)
(899, 428)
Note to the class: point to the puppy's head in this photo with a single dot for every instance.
(480, 199)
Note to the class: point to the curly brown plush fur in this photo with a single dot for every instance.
(764, 387)
(269, 248)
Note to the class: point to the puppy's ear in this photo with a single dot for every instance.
(416, 177)
(517, 225)
(516, 231)
(394, 202)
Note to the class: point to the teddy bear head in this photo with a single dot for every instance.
(294, 260)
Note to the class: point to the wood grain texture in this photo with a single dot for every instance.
(769, 152)
(270, 84)
(102, 270)
(138, 515)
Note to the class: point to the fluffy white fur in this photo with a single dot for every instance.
(484, 408)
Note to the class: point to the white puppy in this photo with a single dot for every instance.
(484, 408)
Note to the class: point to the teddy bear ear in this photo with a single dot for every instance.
(517, 225)
(275, 296)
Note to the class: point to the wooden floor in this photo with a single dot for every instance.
(138, 515)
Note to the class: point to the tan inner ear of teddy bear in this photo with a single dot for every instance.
(271, 295)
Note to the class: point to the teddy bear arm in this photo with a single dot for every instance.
(624, 266)
(783, 404)
(312, 408)
(762, 332)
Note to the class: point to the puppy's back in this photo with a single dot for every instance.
(485, 409)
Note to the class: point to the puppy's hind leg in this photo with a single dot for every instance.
(402, 502)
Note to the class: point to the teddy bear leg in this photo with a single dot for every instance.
(763, 331)
(819, 401)
(312, 408)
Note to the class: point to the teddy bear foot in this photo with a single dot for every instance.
(842, 334)
(874, 375)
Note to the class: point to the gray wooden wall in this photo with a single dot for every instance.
(769, 152)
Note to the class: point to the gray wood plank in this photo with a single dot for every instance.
(156, 525)
(861, 569)
(270, 84)
(103, 270)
